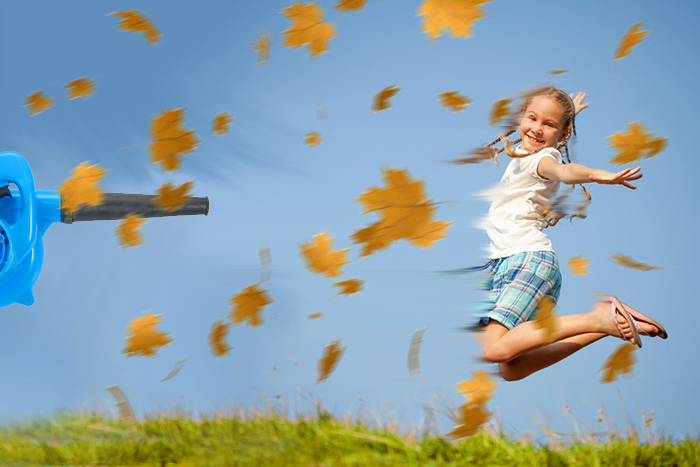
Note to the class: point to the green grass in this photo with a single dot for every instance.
(318, 440)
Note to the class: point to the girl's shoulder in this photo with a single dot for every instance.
(554, 152)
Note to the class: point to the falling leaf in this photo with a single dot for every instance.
(37, 102)
(126, 413)
(219, 125)
(313, 139)
(217, 344)
(578, 265)
(624, 260)
(404, 213)
(331, 356)
(127, 232)
(349, 286)
(635, 144)
(262, 47)
(265, 264)
(178, 366)
(479, 389)
(81, 188)
(633, 37)
(381, 100)
(545, 318)
(135, 21)
(619, 363)
(454, 100)
(143, 338)
(414, 350)
(471, 418)
(499, 110)
(479, 155)
(455, 16)
(314, 315)
(308, 28)
(348, 5)
(170, 198)
(170, 139)
(557, 72)
(561, 207)
(81, 87)
(248, 305)
(320, 258)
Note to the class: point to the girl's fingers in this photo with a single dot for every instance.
(629, 186)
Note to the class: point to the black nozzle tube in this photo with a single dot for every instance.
(118, 205)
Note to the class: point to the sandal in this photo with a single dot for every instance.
(638, 316)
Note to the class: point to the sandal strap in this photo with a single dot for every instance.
(613, 310)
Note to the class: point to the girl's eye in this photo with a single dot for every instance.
(531, 117)
(549, 124)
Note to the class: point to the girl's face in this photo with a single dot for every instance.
(542, 124)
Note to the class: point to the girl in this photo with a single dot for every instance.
(524, 267)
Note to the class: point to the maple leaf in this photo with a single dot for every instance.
(348, 5)
(349, 286)
(455, 16)
(262, 47)
(248, 305)
(143, 337)
(178, 366)
(578, 265)
(319, 257)
(217, 344)
(170, 198)
(404, 212)
(81, 188)
(635, 144)
(127, 231)
(545, 318)
(135, 21)
(81, 87)
(381, 100)
(470, 419)
(454, 100)
(414, 350)
(220, 123)
(170, 140)
(37, 102)
(479, 389)
(624, 260)
(313, 139)
(327, 363)
(126, 413)
(633, 37)
(619, 363)
(499, 110)
(557, 72)
(314, 315)
(308, 28)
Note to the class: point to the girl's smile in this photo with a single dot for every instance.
(541, 124)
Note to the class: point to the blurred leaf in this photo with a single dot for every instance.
(327, 363)
(624, 260)
(619, 363)
(414, 350)
(635, 144)
(557, 72)
(170, 198)
(578, 265)
(126, 413)
(81, 87)
(454, 16)
(265, 264)
(349, 286)
(471, 418)
(499, 110)
(217, 336)
(479, 389)
(178, 366)
(381, 101)
(454, 100)
(262, 47)
(37, 102)
(127, 232)
(220, 123)
(308, 28)
(314, 315)
(135, 21)
(248, 305)
(170, 139)
(313, 139)
(479, 155)
(348, 5)
(320, 258)
(633, 37)
(545, 318)
(143, 338)
(81, 188)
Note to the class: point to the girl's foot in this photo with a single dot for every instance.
(646, 326)
(614, 320)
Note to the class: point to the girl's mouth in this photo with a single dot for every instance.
(535, 140)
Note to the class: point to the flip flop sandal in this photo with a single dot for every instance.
(638, 316)
(614, 309)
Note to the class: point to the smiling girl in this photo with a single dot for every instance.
(524, 266)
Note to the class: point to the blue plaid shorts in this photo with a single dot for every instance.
(516, 284)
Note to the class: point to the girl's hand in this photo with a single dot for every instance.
(621, 178)
(578, 101)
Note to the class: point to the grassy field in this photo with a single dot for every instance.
(240, 438)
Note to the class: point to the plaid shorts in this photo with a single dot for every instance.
(516, 284)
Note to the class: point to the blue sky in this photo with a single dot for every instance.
(267, 188)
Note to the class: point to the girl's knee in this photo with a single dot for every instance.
(509, 372)
(495, 353)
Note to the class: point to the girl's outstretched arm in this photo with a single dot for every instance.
(572, 174)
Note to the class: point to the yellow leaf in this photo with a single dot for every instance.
(545, 318)
(319, 257)
(143, 337)
(135, 21)
(633, 37)
(308, 28)
(350, 286)
(170, 198)
(37, 102)
(619, 363)
(479, 389)
(578, 265)
(262, 47)
(348, 5)
(314, 315)
(624, 260)
(455, 16)
(471, 418)
(557, 72)
(454, 100)
(220, 123)
(248, 305)
(635, 144)
(499, 110)
(81, 188)
(81, 87)
(327, 363)
(381, 100)
(127, 231)
(217, 336)
(313, 139)
(170, 139)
